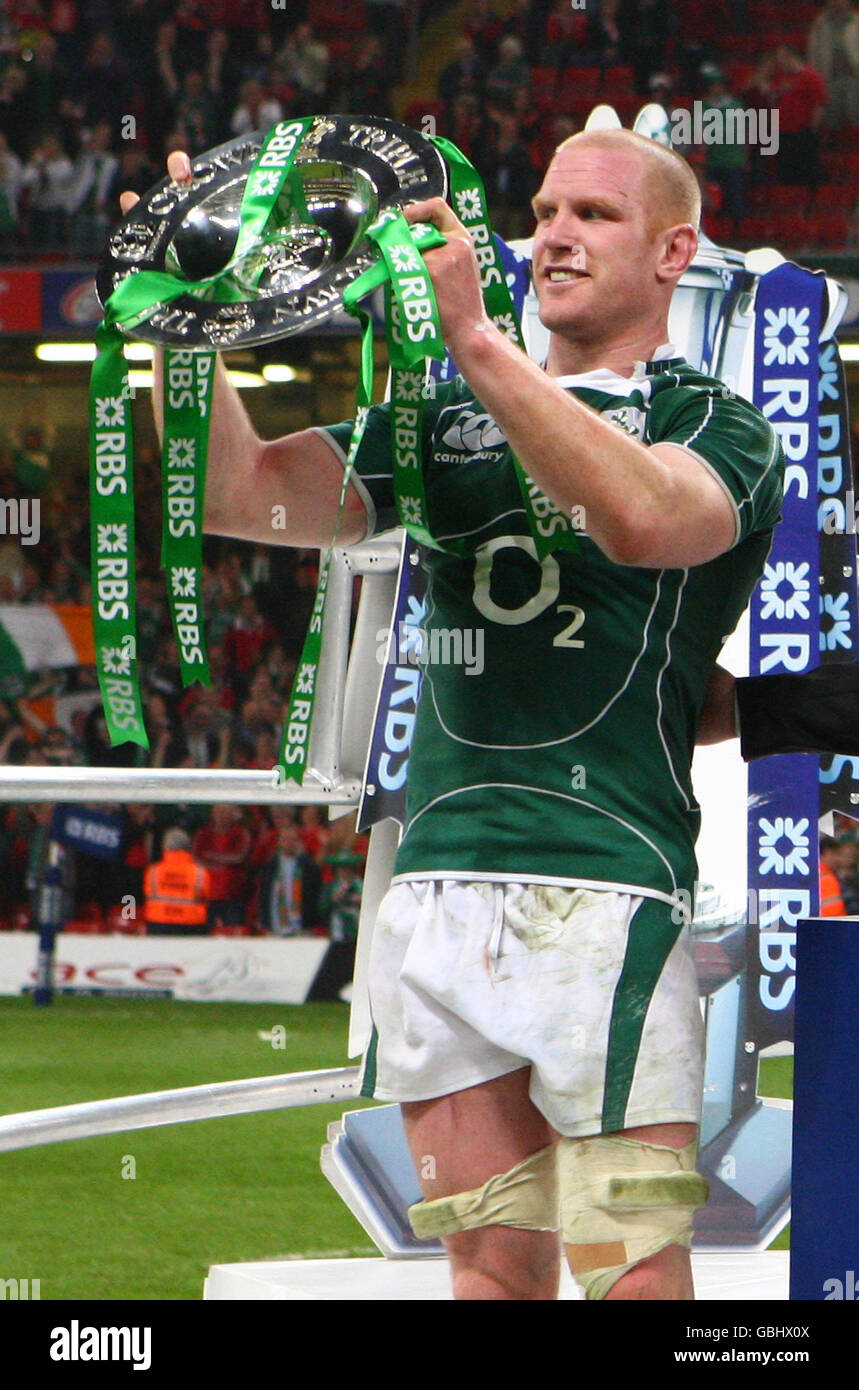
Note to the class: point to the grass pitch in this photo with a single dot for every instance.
(211, 1192)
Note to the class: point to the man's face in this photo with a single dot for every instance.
(593, 254)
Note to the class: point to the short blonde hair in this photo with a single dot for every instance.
(671, 186)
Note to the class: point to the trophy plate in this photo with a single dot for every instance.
(352, 168)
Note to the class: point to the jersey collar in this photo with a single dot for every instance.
(603, 379)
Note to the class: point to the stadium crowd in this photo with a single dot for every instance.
(91, 96)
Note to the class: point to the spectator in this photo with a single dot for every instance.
(64, 23)
(484, 28)
(604, 33)
(15, 121)
(139, 849)
(313, 831)
(831, 900)
(289, 887)
(204, 738)
(246, 640)
(176, 891)
(265, 839)
(644, 26)
(848, 874)
(464, 75)
(510, 180)
(135, 172)
(566, 33)
(90, 208)
(255, 110)
(306, 61)
(105, 85)
(340, 910)
(833, 51)
(192, 19)
(223, 846)
(244, 20)
(527, 22)
(800, 95)
(46, 183)
(10, 191)
(195, 108)
(368, 83)
(466, 125)
(510, 74)
(725, 159)
(386, 19)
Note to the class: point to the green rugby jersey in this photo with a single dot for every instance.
(567, 757)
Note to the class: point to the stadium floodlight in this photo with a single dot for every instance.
(65, 352)
(277, 372)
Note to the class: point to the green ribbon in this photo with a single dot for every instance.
(188, 382)
(550, 527)
(112, 541)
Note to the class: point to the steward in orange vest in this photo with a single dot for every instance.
(176, 890)
(831, 897)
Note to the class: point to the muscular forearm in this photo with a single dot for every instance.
(279, 492)
(638, 507)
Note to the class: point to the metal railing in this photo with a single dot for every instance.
(208, 1102)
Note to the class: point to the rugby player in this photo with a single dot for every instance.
(533, 991)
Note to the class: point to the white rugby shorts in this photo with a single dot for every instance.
(594, 990)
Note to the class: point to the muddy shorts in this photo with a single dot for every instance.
(595, 991)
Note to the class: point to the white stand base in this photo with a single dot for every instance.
(753, 1277)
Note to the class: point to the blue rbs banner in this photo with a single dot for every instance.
(785, 635)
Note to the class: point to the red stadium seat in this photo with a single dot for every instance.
(739, 74)
(836, 197)
(828, 229)
(581, 80)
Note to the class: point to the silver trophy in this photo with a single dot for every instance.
(352, 168)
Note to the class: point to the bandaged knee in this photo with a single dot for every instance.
(525, 1197)
(623, 1201)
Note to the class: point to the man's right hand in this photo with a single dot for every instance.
(179, 169)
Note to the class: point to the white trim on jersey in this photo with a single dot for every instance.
(541, 791)
(354, 478)
(714, 473)
(668, 759)
(564, 738)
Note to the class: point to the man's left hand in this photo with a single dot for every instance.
(455, 274)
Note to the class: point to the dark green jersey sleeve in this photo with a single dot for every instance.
(731, 438)
(373, 471)
(374, 466)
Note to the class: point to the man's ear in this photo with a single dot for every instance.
(679, 245)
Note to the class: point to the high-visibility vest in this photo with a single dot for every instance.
(831, 901)
(176, 890)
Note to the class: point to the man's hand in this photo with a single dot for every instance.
(179, 169)
(454, 272)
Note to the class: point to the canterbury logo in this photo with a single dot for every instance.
(471, 433)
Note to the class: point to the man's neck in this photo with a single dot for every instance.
(568, 358)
